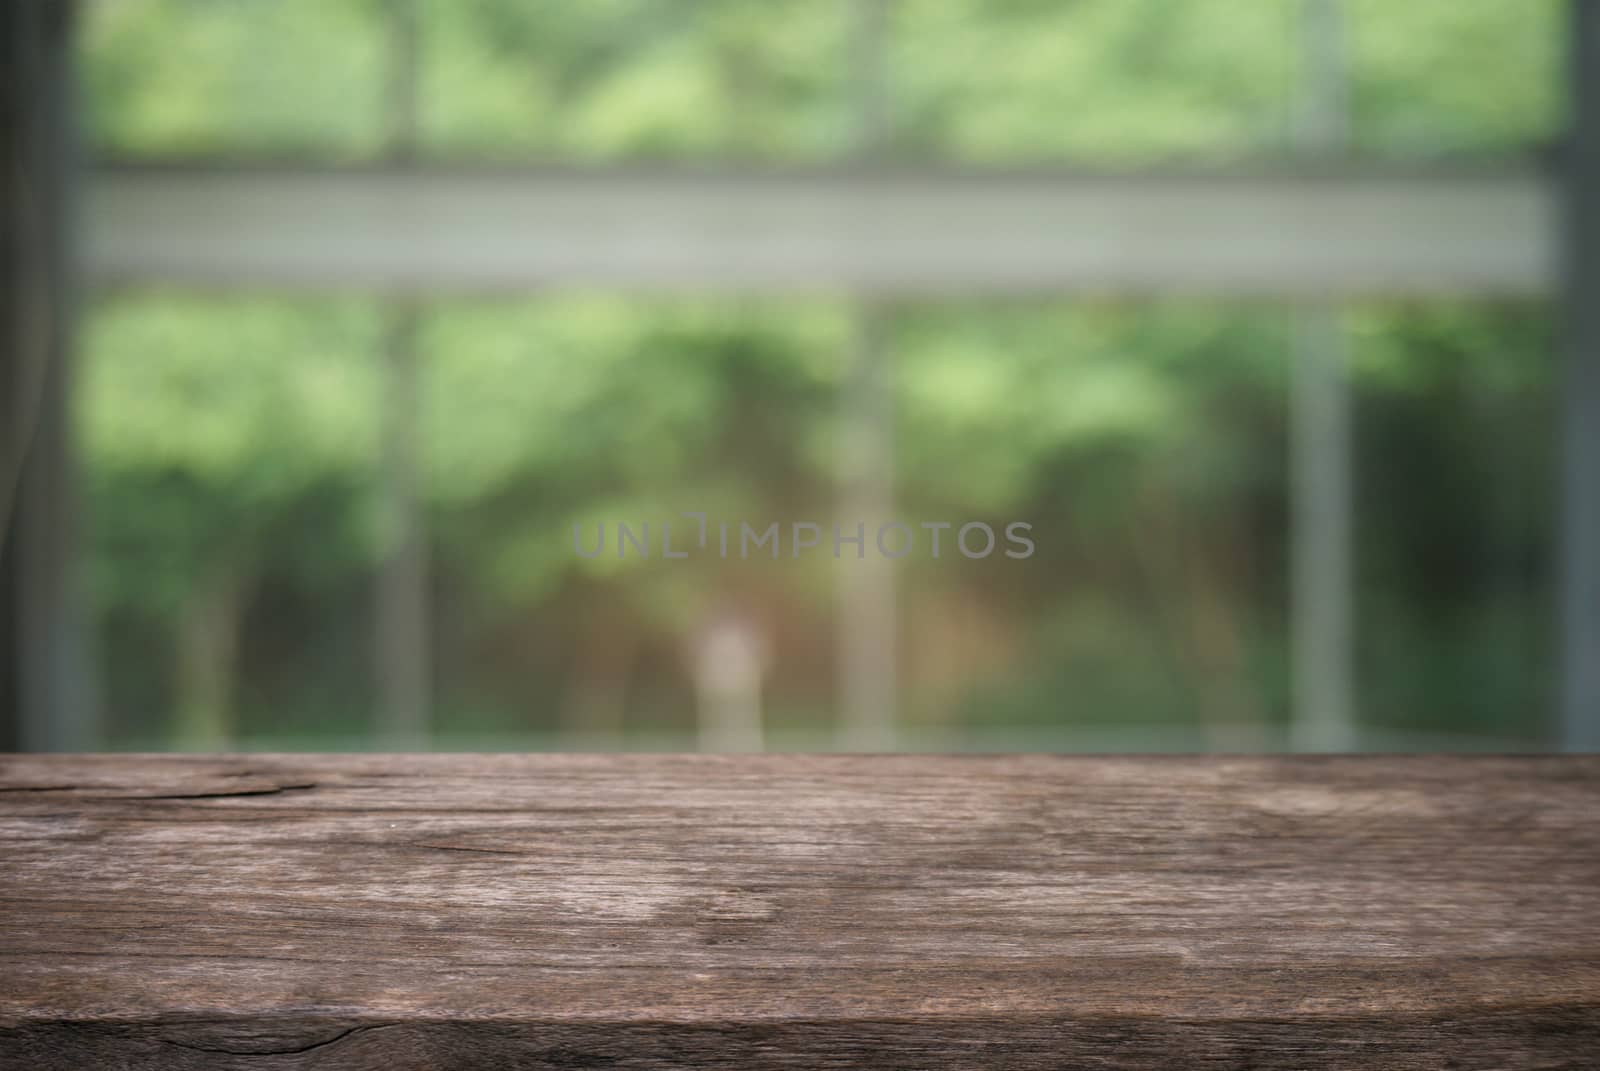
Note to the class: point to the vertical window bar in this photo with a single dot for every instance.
(867, 640)
(47, 700)
(402, 625)
(1580, 524)
(1322, 574)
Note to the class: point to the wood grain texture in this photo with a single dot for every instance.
(633, 912)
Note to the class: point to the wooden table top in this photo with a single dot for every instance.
(633, 911)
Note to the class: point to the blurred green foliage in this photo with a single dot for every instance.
(1455, 77)
(1093, 83)
(193, 78)
(232, 444)
(1146, 442)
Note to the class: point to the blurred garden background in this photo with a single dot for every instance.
(252, 459)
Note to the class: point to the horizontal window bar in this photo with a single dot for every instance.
(425, 230)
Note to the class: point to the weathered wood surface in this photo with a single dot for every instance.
(401, 912)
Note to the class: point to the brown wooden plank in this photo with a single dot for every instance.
(547, 911)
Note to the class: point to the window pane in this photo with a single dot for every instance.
(1145, 445)
(229, 448)
(1102, 81)
(1456, 446)
(635, 79)
(190, 78)
(599, 411)
(1463, 77)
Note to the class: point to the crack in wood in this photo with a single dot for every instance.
(218, 794)
(312, 1047)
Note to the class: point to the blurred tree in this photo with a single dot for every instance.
(700, 79)
(1102, 83)
(594, 411)
(225, 440)
(207, 78)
